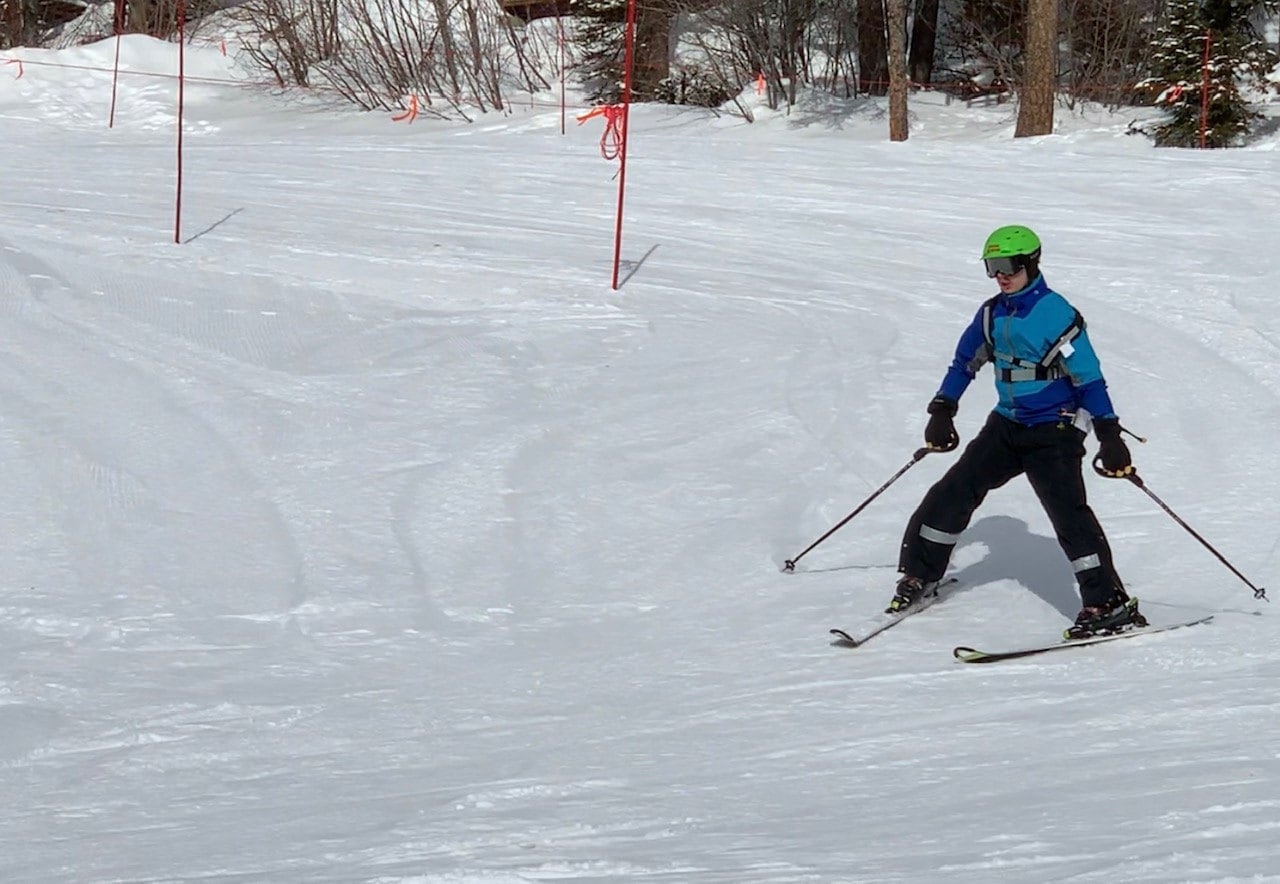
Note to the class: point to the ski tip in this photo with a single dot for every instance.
(843, 639)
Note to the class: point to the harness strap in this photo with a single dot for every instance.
(1069, 334)
(1033, 373)
(1048, 368)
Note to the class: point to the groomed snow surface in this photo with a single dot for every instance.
(369, 536)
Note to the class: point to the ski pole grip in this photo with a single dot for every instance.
(1097, 468)
(951, 445)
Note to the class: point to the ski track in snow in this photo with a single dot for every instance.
(368, 536)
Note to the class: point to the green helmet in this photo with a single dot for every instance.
(1006, 242)
(1010, 250)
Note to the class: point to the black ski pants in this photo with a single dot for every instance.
(1051, 456)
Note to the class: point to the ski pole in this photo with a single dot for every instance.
(1258, 591)
(915, 458)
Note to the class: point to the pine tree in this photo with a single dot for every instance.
(1238, 61)
(599, 32)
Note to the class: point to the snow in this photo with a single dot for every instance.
(368, 535)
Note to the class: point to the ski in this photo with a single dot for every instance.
(972, 655)
(875, 625)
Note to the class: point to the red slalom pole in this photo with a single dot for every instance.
(622, 155)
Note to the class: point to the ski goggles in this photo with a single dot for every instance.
(1005, 266)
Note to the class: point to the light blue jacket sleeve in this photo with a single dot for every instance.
(1085, 372)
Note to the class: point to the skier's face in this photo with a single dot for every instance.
(1010, 271)
(1012, 282)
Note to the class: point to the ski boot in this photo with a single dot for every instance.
(1121, 616)
(909, 591)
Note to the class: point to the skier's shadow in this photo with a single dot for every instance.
(1014, 553)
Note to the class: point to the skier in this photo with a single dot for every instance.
(1050, 387)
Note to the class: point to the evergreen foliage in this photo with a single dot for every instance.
(599, 33)
(1238, 63)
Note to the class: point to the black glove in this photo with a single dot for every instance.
(940, 432)
(1116, 460)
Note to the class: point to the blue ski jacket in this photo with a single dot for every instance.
(1045, 366)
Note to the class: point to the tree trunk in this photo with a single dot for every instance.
(873, 62)
(896, 17)
(1035, 104)
(11, 23)
(652, 62)
(924, 34)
